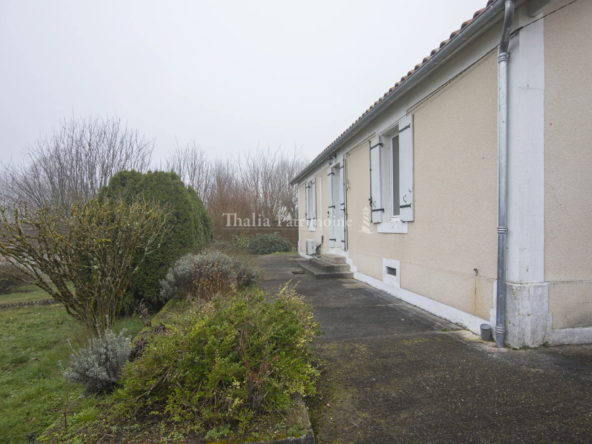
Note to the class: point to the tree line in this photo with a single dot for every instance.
(81, 155)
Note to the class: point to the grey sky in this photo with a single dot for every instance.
(230, 75)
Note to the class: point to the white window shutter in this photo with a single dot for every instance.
(331, 208)
(344, 206)
(375, 184)
(313, 200)
(406, 168)
(306, 204)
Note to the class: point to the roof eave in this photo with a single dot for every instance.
(487, 17)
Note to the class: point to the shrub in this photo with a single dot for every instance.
(207, 274)
(89, 254)
(245, 273)
(231, 360)
(10, 277)
(188, 229)
(269, 243)
(233, 247)
(241, 242)
(98, 366)
(224, 246)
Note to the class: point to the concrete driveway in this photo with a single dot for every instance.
(396, 374)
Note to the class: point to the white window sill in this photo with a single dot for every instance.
(312, 227)
(395, 225)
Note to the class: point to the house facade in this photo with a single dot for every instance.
(409, 192)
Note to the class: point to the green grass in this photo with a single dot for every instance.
(24, 293)
(93, 421)
(33, 393)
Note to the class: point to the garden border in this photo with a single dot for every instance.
(28, 303)
(308, 438)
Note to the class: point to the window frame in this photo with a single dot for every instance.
(394, 194)
(391, 223)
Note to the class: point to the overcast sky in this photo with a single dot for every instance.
(231, 75)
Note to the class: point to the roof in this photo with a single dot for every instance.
(395, 88)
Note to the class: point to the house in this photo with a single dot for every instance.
(409, 193)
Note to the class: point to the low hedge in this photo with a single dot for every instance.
(224, 364)
(269, 243)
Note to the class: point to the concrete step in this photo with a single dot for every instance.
(328, 266)
(319, 273)
(335, 259)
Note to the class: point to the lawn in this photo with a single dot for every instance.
(33, 393)
(24, 293)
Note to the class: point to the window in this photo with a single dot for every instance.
(395, 176)
(311, 204)
(391, 177)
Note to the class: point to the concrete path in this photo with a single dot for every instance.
(396, 374)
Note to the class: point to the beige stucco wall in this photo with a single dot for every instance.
(305, 231)
(455, 175)
(568, 164)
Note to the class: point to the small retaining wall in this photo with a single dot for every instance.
(28, 303)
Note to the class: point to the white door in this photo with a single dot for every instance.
(331, 212)
(343, 187)
(338, 221)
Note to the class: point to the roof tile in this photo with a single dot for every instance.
(404, 78)
(478, 12)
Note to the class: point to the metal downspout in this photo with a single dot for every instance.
(502, 229)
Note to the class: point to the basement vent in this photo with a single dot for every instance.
(391, 271)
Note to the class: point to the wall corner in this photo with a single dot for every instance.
(527, 314)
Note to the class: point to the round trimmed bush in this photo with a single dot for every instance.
(207, 274)
(269, 243)
(188, 229)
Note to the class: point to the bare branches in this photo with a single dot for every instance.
(257, 181)
(86, 257)
(82, 155)
(75, 161)
(192, 166)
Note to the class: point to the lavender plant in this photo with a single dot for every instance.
(98, 366)
(207, 274)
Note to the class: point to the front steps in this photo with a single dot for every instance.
(328, 266)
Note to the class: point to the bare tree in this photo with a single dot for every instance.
(225, 195)
(254, 182)
(75, 161)
(265, 178)
(191, 164)
(4, 189)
